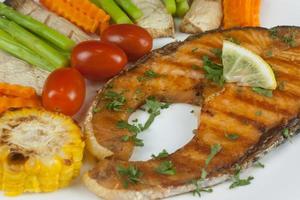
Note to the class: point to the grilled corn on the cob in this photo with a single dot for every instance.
(40, 151)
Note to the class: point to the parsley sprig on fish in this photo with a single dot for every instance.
(130, 175)
(215, 149)
(153, 107)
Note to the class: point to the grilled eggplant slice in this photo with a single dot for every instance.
(225, 109)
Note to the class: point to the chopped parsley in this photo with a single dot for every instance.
(258, 113)
(130, 175)
(166, 168)
(153, 107)
(263, 92)
(131, 128)
(134, 129)
(232, 136)
(259, 165)
(289, 38)
(196, 67)
(163, 154)
(194, 49)
(217, 52)
(96, 110)
(198, 184)
(116, 100)
(286, 133)
(273, 32)
(213, 71)
(214, 150)
(237, 181)
(149, 74)
(269, 53)
(133, 138)
(233, 40)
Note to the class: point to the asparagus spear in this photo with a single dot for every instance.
(182, 7)
(37, 27)
(171, 6)
(114, 11)
(10, 45)
(34, 43)
(130, 8)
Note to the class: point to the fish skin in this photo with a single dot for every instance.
(36, 11)
(231, 109)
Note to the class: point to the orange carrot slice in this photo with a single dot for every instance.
(83, 13)
(16, 90)
(17, 102)
(239, 13)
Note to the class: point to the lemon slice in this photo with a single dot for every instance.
(246, 68)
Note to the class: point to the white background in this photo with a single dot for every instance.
(280, 179)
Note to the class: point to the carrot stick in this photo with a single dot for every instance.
(239, 13)
(83, 13)
(17, 102)
(17, 91)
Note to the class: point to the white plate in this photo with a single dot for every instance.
(280, 178)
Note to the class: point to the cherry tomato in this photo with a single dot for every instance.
(98, 60)
(64, 91)
(134, 40)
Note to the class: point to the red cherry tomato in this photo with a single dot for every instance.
(64, 91)
(134, 40)
(98, 60)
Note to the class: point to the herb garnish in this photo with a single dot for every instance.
(116, 100)
(196, 67)
(233, 40)
(232, 136)
(153, 107)
(217, 52)
(289, 38)
(130, 175)
(194, 49)
(269, 53)
(259, 165)
(149, 74)
(286, 133)
(214, 150)
(134, 129)
(133, 138)
(166, 168)
(258, 113)
(162, 154)
(262, 91)
(198, 184)
(213, 71)
(96, 110)
(237, 181)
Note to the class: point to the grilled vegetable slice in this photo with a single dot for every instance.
(40, 151)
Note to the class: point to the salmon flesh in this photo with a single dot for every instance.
(259, 120)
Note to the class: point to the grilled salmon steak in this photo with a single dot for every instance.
(238, 125)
